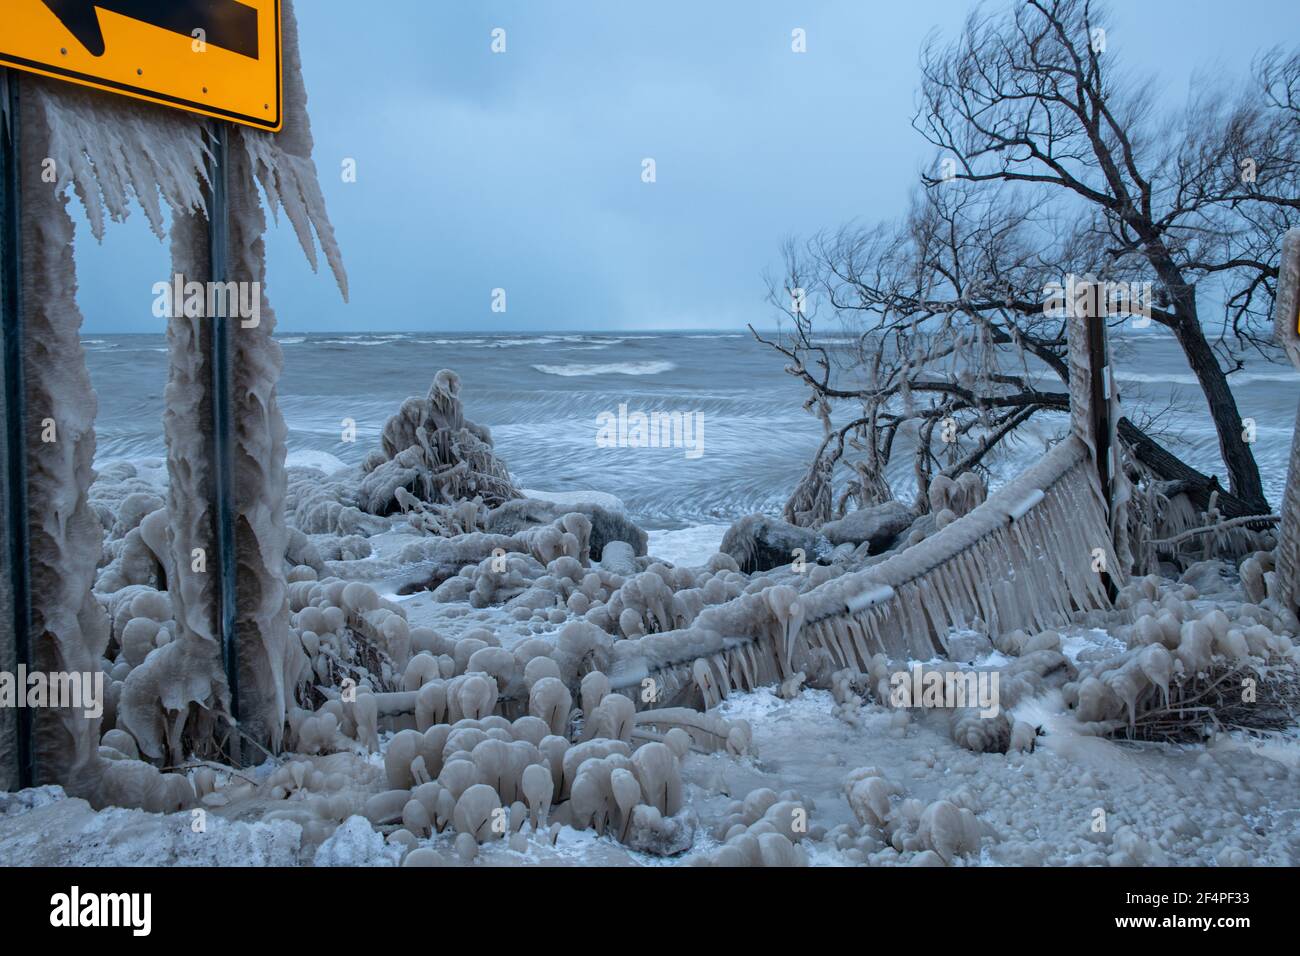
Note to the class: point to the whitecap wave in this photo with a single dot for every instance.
(311, 458)
(1187, 378)
(613, 368)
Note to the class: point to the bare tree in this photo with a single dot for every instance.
(1262, 195)
(1048, 168)
(938, 333)
(1028, 101)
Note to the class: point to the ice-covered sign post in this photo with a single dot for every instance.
(15, 733)
(228, 673)
(1286, 329)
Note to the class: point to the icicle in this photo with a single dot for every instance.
(819, 635)
(840, 638)
(719, 663)
(859, 643)
(907, 633)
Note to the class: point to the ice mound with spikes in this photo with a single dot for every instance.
(431, 451)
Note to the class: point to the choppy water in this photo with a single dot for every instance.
(541, 395)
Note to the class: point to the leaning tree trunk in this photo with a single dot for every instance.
(1243, 472)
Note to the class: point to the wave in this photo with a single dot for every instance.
(1187, 378)
(614, 368)
(580, 342)
(313, 458)
(357, 341)
(292, 340)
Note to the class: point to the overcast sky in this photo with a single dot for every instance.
(523, 170)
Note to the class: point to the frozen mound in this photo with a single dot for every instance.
(1041, 668)
(432, 452)
(319, 504)
(493, 569)
(607, 524)
(876, 526)
(539, 580)
(1191, 673)
(346, 631)
(434, 467)
(895, 830)
(764, 829)
(760, 543)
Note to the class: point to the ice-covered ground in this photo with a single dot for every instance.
(1232, 802)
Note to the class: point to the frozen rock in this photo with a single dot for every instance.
(760, 543)
(514, 516)
(877, 526)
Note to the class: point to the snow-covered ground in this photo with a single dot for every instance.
(1231, 802)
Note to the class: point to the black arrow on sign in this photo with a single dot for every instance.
(225, 23)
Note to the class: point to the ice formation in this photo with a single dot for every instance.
(1284, 309)
(1191, 673)
(69, 628)
(110, 151)
(529, 694)
(443, 670)
(431, 454)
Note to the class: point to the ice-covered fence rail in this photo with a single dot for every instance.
(1026, 558)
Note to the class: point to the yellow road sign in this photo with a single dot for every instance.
(220, 58)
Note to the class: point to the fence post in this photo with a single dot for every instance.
(1286, 330)
(17, 768)
(1092, 415)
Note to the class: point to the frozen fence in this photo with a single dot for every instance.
(1028, 557)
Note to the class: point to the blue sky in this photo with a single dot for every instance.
(522, 170)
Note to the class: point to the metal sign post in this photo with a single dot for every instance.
(15, 582)
(222, 424)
